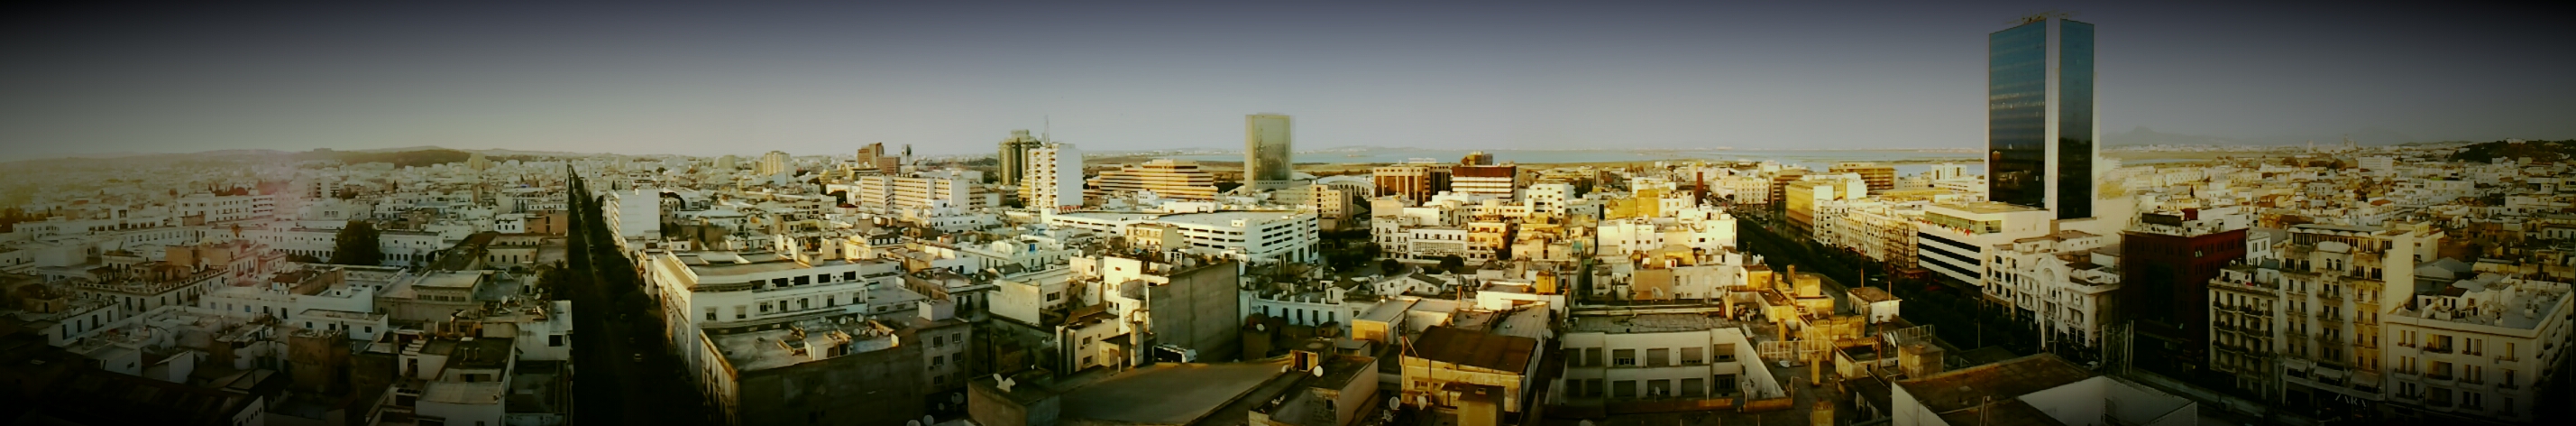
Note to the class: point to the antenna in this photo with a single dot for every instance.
(1047, 132)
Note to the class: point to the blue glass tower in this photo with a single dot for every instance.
(2039, 116)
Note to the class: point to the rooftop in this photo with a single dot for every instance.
(2008, 380)
(1476, 349)
(1989, 207)
(1648, 323)
(1167, 393)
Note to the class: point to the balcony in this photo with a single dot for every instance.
(2336, 296)
(2438, 349)
(2507, 357)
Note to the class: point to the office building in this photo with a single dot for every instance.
(1499, 181)
(2166, 264)
(1012, 160)
(1880, 177)
(1955, 240)
(1053, 179)
(1413, 181)
(1166, 178)
(2040, 128)
(1267, 156)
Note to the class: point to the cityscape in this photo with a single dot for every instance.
(230, 253)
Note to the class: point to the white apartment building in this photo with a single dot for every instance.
(959, 188)
(1245, 235)
(2336, 284)
(2056, 282)
(220, 208)
(1548, 197)
(1620, 358)
(747, 291)
(401, 248)
(1705, 229)
(2477, 349)
(1053, 181)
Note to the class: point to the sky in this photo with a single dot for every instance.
(956, 77)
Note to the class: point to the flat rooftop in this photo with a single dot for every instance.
(1648, 323)
(1167, 393)
(1989, 207)
(454, 280)
(2009, 380)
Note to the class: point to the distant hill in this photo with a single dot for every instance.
(2484, 152)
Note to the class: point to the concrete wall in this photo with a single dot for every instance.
(1201, 309)
(879, 387)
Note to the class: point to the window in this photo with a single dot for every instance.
(1724, 383)
(1725, 352)
(1658, 357)
(1623, 388)
(1623, 357)
(764, 307)
(937, 341)
(555, 340)
(1694, 387)
(739, 312)
(711, 314)
(1593, 388)
(1691, 356)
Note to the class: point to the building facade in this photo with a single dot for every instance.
(1268, 158)
(2039, 116)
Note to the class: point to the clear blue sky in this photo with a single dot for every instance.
(954, 77)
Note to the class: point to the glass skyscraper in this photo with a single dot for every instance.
(2039, 116)
(1267, 157)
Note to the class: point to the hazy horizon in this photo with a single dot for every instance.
(953, 78)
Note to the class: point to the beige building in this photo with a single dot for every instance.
(1164, 177)
(1054, 177)
(1413, 181)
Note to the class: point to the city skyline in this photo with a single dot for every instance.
(1137, 77)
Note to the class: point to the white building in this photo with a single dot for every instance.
(1246, 235)
(1659, 357)
(2477, 349)
(1053, 181)
(1957, 239)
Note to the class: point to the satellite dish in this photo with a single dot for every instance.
(927, 421)
(913, 423)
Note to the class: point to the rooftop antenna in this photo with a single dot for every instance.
(1047, 132)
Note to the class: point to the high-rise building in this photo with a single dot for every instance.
(1012, 159)
(1053, 179)
(774, 162)
(2040, 129)
(1165, 177)
(1267, 156)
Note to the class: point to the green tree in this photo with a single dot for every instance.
(1453, 264)
(357, 244)
(1390, 267)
